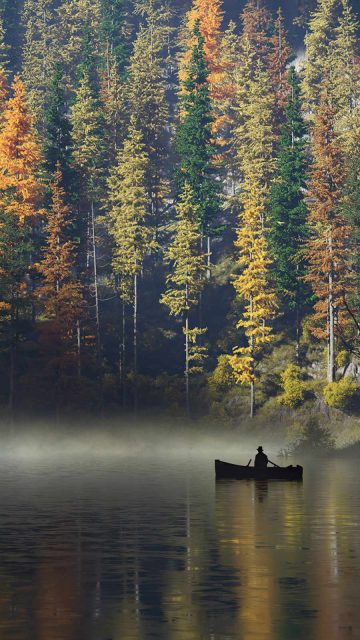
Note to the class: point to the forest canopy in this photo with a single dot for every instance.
(179, 206)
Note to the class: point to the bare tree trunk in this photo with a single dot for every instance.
(331, 311)
(187, 386)
(122, 361)
(252, 384)
(78, 347)
(124, 354)
(208, 270)
(97, 308)
(12, 367)
(252, 400)
(135, 344)
(297, 337)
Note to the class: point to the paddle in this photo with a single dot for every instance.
(275, 465)
(249, 463)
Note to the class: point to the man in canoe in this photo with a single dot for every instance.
(261, 459)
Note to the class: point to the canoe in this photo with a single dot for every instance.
(236, 471)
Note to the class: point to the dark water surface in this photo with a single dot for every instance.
(122, 549)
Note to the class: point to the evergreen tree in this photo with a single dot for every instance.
(58, 142)
(331, 55)
(147, 99)
(88, 157)
(60, 293)
(351, 212)
(4, 48)
(114, 34)
(129, 227)
(77, 20)
(254, 150)
(39, 54)
(194, 139)
(288, 211)
(279, 58)
(185, 281)
(209, 15)
(329, 273)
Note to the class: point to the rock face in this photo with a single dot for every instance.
(352, 371)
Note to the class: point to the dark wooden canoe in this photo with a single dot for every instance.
(227, 470)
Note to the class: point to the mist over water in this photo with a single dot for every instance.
(126, 542)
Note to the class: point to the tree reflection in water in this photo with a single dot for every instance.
(115, 551)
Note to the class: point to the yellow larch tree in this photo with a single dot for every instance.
(254, 140)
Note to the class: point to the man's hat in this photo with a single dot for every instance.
(259, 448)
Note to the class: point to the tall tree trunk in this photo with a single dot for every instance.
(252, 384)
(135, 344)
(187, 386)
(122, 353)
(97, 309)
(331, 339)
(78, 348)
(252, 399)
(12, 367)
(208, 258)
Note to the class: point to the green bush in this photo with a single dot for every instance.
(293, 385)
(310, 437)
(340, 394)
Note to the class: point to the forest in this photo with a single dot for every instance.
(179, 209)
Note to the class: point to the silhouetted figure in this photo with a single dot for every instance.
(261, 459)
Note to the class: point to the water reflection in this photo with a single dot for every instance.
(104, 550)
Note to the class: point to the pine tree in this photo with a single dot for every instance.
(209, 16)
(185, 281)
(58, 142)
(288, 211)
(147, 99)
(60, 293)
(254, 149)
(77, 19)
(114, 34)
(194, 140)
(129, 227)
(87, 136)
(39, 55)
(351, 212)
(329, 273)
(4, 48)
(279, 58)
(331, 55)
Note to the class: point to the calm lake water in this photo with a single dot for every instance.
(112, 548)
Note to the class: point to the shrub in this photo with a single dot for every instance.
(222, 378)
(342, 358)
(293, 385)
(340, 394)
(310, 437)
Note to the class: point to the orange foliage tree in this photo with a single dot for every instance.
(60, 292)
(326, 250)
(210, 15)
(20, 158)
(257, 21)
